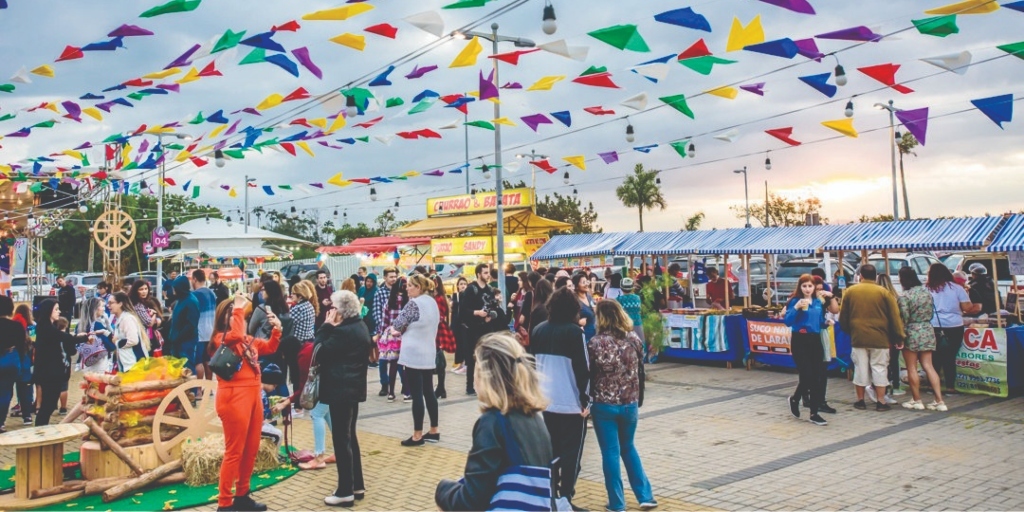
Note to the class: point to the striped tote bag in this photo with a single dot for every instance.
(523, 487)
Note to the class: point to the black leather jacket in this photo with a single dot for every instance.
(488, 459)
(343, 357)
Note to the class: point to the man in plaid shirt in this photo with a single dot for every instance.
(379, 308)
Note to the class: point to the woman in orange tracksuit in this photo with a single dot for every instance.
(239, 403)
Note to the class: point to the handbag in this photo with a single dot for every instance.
(225, 362)
(522, 487)
(311, 390)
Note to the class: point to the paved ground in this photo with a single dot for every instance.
(712, 438)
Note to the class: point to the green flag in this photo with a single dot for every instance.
(198, 119)
(6, 87)
(623, 37)
(465, 4)
(172, 7)
(394, 102)
(422, 106)
(228, 40)
(680, 147)
(704, 64)
(1015, 49)
(939, 26)
(678, 102)
(256, 56)
(195, 190)
(481, 124)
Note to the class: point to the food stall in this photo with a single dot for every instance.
(1010, 241)
(581, 250)
(385, 251)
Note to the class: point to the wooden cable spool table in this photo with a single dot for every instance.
(39, 463)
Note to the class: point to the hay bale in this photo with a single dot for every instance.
(201, 459)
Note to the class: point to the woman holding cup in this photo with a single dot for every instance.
(805, 315)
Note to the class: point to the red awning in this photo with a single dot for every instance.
(374, 245)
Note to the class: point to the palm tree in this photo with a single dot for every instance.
(642, 190)
(906, 146)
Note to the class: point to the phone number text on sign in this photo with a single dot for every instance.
(769, 337)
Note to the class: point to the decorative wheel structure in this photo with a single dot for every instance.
(197, 419)
(114, 230)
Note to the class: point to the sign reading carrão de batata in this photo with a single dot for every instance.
(480, 202)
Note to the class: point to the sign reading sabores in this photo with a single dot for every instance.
(480, 202)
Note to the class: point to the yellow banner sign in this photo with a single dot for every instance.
(481, 202)
(484, 245)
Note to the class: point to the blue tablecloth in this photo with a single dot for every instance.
(735, 337)
(1014, 357)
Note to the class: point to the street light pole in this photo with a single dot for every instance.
(519, 42)
(533, 174)
(746, 192)
(247, 181)
(892, 150)
(160, 207)
(465, 127)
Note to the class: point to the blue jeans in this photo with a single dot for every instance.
(190, 351)
(321, 418)
(383, 370)
(615, 426)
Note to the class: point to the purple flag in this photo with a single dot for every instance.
(302, 55)
(535, 120)
(487, 88)
(233, 128)
(860, 33)
(74, 111)
(757, 88)
(916, 122)
(609, 157)
(170, 87)
(437, 172)
(800, 6)
(512, 85)
(808, 48)
(184, 59)
(418, 72)
(128, 31)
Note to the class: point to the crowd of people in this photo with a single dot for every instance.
(924, 324)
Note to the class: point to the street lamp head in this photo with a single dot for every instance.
(522, 42)
(548, 25)
(183, 136)
(740, 171)
(458, 34)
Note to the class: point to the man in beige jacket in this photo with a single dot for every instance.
(872, 318)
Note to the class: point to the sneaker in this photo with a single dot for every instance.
(63, 411)
(316, 463)
(27, 420)
(471, 392)
(456, 368)
(916, 405)
(859, 405)
(460, 370)
(383, 392)
(794, 406)
(649, 505)
(883, 407)
(359, 494)
(16, 410)
(870, 393)
(440, 394)
(898, 392)
(827, 409)
(247, 504)
(818, 420)
(391, 398)
(414, 442)
(298, 413)
(937, 406)
(3, 429)
(890, 400)
(432, 438)
(407, 398)
(340, 501)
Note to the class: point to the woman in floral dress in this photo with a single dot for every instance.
(390, 344)
(917, 309)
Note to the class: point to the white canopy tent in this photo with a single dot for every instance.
(216, 238)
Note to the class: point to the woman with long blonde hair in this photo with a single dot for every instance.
(511, 402)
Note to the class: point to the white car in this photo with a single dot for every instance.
(84, 283)
(19, 287)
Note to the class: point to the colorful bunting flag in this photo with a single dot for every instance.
(70, 53)
(418, 71)
(354, 41)
(860, 33)
(623, 37)
(800, 6)
(916, 122)
(997, 108)
(957, 62)
(428, 21)
(784, 134)
(820, 83)
(1015, 49)
(727, 92)
(809, 48)
(563, 117)
(940, 26)
(886, 73)
(383, 29)
(843, 126)
(339, 13)
(487, 87)
(172, 7)
(44, 70)
(535, 120)
(678, 102)
(609, 157)
(684, 17)
(966, 7)
(545, 83)
(578, 161)
(785, 48)
(742, 36)
(468, 55)
(679, 146)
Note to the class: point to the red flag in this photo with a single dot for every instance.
(370, 123)
(138, 82)
(597, 80)
(289, 147)
(298, 94)
(886, 73)
(70, 53)
(512, 57)
(427, 133)
(698, 49)
(783, 134)
(599, 111)
(199, 162)
(383, 29)
(364, 181)
(302, 122)
(291, 26)
(210, 70)
(544, 165)
(110, 151)
(408, 135)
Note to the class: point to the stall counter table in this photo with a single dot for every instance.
(735, 338)
(1014, 357)
(39, 463)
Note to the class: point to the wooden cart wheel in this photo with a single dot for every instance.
(197, 420)
(114, 230)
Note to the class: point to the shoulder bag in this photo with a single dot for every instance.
(311, 391)
(522, 487)
(225, 362)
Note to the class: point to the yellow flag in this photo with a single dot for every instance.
(339, 123)
(504, 120)
(318, 122)
(545, 83)
(125, 152)
(93, 112)
(338, 13)
(216, 131)
(72, 153)
(339, 181)
(579, 161)
(305, 147)
(182, 156)
(191, 76)
(44, 70)
(741, 37)
(468, 55)
(967, 7)
(233, 192)
(52, 106)
(270, 102)
(411, 174)
(163, 74)
(728, 92)
(843, 126)
(354, 41)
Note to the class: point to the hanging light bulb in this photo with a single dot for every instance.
(840, 75)
(487, 172)
(373, 194)
(548, 24)
(294, 213)
(218, 158)
(472, 194)
(899, 136)
(335, 214)
(849, 109)
(82, 207)
(657, 181)
(229, 221)
(344, 215)
(565, 177)
(768, 163)
(630, 135)
(691, 151)
(396, 205)
(574, 192)
(350, 106)
(207, 218)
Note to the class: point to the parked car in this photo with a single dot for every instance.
(919, 262)
(788, 273)
(19, 287)
(757, 280)
(963, 261)
(303, 270)
(150, 276)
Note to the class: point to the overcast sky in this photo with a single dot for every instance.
(969, 166)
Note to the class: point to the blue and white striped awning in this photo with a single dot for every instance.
(806, 240)
(914, 235)
(1010, 237)
(661, 243)
(580, 245)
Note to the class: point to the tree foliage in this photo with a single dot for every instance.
(641, 190)
(782, 212)
(570, 210)
(694, 221)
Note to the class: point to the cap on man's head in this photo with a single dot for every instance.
(626, 285)
(977, 268)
